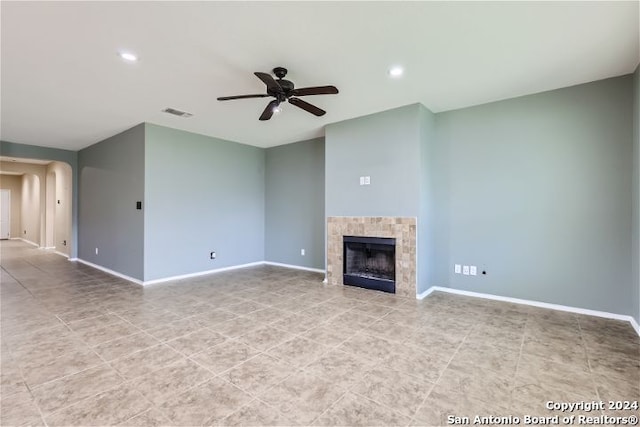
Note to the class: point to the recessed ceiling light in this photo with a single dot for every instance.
(128, 56)
(396, 71)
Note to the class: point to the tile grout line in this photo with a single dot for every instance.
(522, 340)
(441, 374)
(125, 381)
(591, 373)
(29, 390)
(342, 396)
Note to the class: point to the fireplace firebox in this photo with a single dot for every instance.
(370, 262)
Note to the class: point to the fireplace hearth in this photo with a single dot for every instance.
(369, 262)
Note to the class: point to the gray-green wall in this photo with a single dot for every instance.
(636, 194)
(384, 146)
(202, 194)
(539, 194)
(111, 182)
(25, 151)
(427, 254)
(396, 149)
(294, 204)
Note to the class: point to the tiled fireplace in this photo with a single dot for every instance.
(402, 229)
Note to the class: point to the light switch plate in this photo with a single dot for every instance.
(465, 270)
(457, 268)
(367, 180)
(362, 180)
(473, 270)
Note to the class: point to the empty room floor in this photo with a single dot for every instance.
(274, 346)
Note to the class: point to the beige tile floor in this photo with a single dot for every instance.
(272, 346)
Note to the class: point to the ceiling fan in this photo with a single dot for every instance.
(284, 90)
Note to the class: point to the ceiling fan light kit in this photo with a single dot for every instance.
(284, 91)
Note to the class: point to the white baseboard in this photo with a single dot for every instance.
(189, 275)
(61, 253)
(295, 267)
(52, 249)
(107, 270)
(558, 307)
(201, 273)
(26, 241)
(635, 325)
(426, 293)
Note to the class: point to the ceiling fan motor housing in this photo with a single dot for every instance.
(286, 85)
(280, 72)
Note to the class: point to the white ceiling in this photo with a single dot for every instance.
(64, 86)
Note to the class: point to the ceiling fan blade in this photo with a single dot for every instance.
(307, 107)
(272, 85)
(227, 98)
(316, 90)
(268, 112)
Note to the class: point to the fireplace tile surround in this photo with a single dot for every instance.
(403, 229)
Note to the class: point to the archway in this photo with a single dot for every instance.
(46, 202)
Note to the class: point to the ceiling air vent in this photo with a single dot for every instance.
(177, 112)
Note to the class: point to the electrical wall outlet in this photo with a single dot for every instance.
(473, 270)
(365, 180)
(212, 255)
(457, 269)
(302, 252)
(465, 270)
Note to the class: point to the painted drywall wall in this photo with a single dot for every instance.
(294, 204)
(30, 220)
(50, 197)
(13, 183)
(384, 146)
(428, 249)
(25, 151)
(635, 254)
(202, 194)
(61, 205)
(539, 195)
(111, 181)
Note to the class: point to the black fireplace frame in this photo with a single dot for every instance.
(379, 284)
